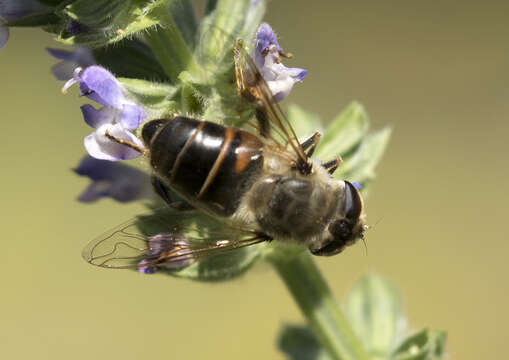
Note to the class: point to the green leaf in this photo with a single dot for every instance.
(109, 21)
(299, 343)
(424, 345)
(344, 132)
(374, 309)
(360, 166)
(130, 58)
(148, 92)
(303, 122)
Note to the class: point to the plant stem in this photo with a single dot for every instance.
(312, 294)
(169, 46)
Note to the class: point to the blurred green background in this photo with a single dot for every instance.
(438, 72)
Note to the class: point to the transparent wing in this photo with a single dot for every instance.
(167, 238)
(272, 124)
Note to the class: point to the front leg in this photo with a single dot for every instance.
(311, 143)
(332, 165)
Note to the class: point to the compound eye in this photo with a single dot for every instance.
(353, 203)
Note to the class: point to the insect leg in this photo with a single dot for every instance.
(161, 190)
(127, 143)
(311, 143)
(164, 192)
(239, 75)
(332, 165)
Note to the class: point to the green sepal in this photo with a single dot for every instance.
(53, 2)
(344, 132)
(218, 103)
(299, 343)
(424, 345)
(374, 309)
(190, 100)
(130, 58)
(42, 18)
(156, 98)
(109, 21)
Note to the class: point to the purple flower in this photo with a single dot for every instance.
(267, 56)
(11, 10)
(158, 244)
(74, 28)
(117, 116)
(117, 181)
(357, 185)
(64, 70)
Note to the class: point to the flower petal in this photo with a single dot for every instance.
(131, 116)
(281, 88)
(100, 147)
(297, 73)
(100, 85)
(60, 54)
(265, 36)
(281, 79)
(4, 35)
(111, 179)
(75, 79)
(80, 55)
(63, 70)
(96, 118)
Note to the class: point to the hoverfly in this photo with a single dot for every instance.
(246, 189)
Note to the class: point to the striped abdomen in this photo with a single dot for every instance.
(203, 161)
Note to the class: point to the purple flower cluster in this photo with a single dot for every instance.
(267, 56)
